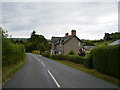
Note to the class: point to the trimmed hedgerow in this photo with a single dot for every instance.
(106, 59)
(88, 62)
(58, 57)
(46, 54)
(72, 58)
(12, 53)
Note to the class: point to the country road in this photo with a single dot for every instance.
(40, 72)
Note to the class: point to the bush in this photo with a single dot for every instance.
(71, 52)
(28, 47)
(106, 59)
(12, 53)
(57, 57)
(85, 60)
(88, 61)
(75, 59)
(46, 54)
(36, 51)
(72, 58)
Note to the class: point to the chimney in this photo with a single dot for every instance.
(66, 34)
(73, 32)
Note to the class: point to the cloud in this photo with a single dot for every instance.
(61, 0)
(90, 19)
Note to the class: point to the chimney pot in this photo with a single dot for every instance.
(73, 32)
(67, 34)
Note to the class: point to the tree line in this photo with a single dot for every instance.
(37, 42)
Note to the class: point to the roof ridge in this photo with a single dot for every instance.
(56, 37)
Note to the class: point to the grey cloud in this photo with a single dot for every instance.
(52, 18)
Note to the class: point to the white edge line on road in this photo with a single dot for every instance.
(53, 78)
(43, 64)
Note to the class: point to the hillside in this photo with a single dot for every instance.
(24, 39)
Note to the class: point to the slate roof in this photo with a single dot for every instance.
(57, 40)
(114, 43)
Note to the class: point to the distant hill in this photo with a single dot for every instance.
(24, 39)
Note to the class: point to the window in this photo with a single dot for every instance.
(79, 44)
(60, 43)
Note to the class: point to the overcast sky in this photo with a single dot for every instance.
(90, 19)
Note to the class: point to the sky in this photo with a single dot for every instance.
(90, 19)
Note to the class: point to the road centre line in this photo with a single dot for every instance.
(38, 59)
(43, 64)
(54, 79)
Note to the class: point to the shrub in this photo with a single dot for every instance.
(106, 59)
(71, 52)
(72, 58)
(57, 57)
(36, 51)
(88, 61)
(46, 54)
(75, 59)
(12, 53)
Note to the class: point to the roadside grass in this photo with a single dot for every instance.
(93, 72)
(9, 71)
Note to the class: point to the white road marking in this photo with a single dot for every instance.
(53, 79)
(43, 64)
(38, 59)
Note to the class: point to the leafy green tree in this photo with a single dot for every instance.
(37, 42)
(28, 46)
(112, 36)
(115, 36)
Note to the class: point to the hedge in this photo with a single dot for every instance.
(46, 54)
(88, 62)
(73, 58)
(12, 53)
(106, 59)
(36, 51)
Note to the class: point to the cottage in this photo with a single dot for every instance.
(62, 45)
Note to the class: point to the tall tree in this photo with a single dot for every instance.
(38, 42)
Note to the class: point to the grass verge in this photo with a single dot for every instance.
(93, 72)
(9, 71)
